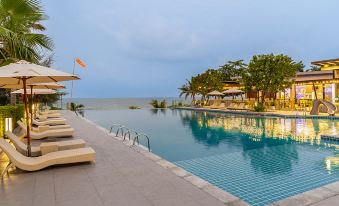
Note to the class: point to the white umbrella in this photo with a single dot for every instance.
(35, 91)
(233, 91)
(46, 85)
(215, 93)
(17, 73)
(24, 73)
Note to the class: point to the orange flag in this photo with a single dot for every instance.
(81, 63)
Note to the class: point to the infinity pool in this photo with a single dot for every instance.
(260, 160)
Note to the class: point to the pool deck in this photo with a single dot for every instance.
(121, 175)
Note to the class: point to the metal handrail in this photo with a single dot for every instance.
(143, 135)
(126, 131)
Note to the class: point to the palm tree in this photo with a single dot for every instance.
(189, 89)
(77, 107)
(19, 31)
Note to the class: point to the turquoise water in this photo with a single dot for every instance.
(260, 160)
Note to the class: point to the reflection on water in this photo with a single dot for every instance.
(208, 125)
(263, 134)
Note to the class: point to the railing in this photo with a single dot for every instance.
(126, 132)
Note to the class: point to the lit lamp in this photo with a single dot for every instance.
(8, 124)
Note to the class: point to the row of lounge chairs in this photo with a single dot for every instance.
(233, 106)
(46, 153)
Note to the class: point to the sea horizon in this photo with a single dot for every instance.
(113, 103)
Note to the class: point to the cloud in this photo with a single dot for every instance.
(149, 47)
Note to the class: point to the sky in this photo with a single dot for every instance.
(148, 48)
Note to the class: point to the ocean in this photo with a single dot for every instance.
(119, 103)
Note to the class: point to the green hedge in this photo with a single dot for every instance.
(14, 112)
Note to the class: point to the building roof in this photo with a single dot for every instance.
(314, 76)
(328, 62)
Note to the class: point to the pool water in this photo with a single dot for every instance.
(260, 160)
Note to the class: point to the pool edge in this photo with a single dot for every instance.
(311, 197)
(262, 114)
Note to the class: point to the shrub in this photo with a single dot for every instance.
(134, 107)
(76, 107)
(14, 112)
(259, 108)
(156, 104)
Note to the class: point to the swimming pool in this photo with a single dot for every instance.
(260, 160)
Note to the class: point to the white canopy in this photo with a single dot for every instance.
(215, 93)
(35, 91)
(233, 91)
(14, 72)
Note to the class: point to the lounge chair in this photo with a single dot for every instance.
(232, 106)
(48, 111)
(53, 121)
(220, 106)
(39, 150)
(48, 115)
(240, 106)
(50, 127)
(65, 132)
(16, 159)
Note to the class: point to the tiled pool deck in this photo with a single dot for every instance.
(125, 175)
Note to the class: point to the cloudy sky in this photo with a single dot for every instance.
(147, 48)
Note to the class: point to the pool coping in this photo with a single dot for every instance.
(262, 114)
(216, 192)
(302, 199)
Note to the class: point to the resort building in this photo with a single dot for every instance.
(308, 86)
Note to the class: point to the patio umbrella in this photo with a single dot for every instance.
(24, 73)
(215, 94)
(45, 85)
(35, 91)
(233, 92)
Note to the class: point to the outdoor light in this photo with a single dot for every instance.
(8, 124)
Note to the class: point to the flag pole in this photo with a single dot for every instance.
(72, 80)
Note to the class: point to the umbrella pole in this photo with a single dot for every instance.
(27, 119)
(31, 105)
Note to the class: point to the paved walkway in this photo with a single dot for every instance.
(120, 176)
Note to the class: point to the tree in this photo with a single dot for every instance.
(19, 31)
(232, 69)
(270, 73)
(77, 107)
(189, 89)
(208, 81)
(314, 68)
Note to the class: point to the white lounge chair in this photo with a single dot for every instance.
(37, 150)
(54, 121)
(48, 115)
(50, 127)
(48, 111)
(66, 132)
(37, 163)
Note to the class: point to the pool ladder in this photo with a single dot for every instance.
(125, 131)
